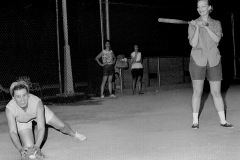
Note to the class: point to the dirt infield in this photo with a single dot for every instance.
(152, 126)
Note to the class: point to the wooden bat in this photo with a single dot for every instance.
(175, 21)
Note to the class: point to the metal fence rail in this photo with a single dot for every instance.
(29, 45)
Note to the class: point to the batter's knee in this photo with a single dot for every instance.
(216, 94)
(197, 93)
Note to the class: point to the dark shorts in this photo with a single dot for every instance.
(201, 72)
(137, 72)
(108, 70)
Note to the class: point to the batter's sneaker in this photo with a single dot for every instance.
(112, 96)
(227, 125)
(195, 126)
(80, 137)
(102, 96)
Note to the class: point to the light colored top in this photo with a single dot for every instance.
(22, 116)
(138, 56)
(107, 57)
(206, 50)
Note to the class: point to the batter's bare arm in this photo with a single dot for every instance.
(194, 40)
(216, 38)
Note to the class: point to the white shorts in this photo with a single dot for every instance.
(48, 116)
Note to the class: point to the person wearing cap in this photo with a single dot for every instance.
(22, 110)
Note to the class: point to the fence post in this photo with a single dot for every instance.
(68, 81)
(148, 69)
(107, 19)
(58, 49)
(234, 47)
(183, 63)
(121, 79)
(101, 23)
(159, 76)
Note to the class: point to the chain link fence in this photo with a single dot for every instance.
(160, 71)
(29, 44)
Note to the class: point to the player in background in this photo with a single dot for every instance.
(136, 70)
(108, 62)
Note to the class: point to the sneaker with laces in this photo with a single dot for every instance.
(195, 126)
(102, 96)
(227, 125)
(80, 137)
(112, 95)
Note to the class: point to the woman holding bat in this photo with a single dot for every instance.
(204, 34)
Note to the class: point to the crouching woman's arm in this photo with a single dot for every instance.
(13, 131)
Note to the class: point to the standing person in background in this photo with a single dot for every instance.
(22, 110)
(108, 61)
(136, 70)
(204, 35)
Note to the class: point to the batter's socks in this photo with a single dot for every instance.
(222, 117)
(195, 118)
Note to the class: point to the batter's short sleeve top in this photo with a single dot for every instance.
(206, 51)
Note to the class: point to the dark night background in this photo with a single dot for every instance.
(28, 43)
